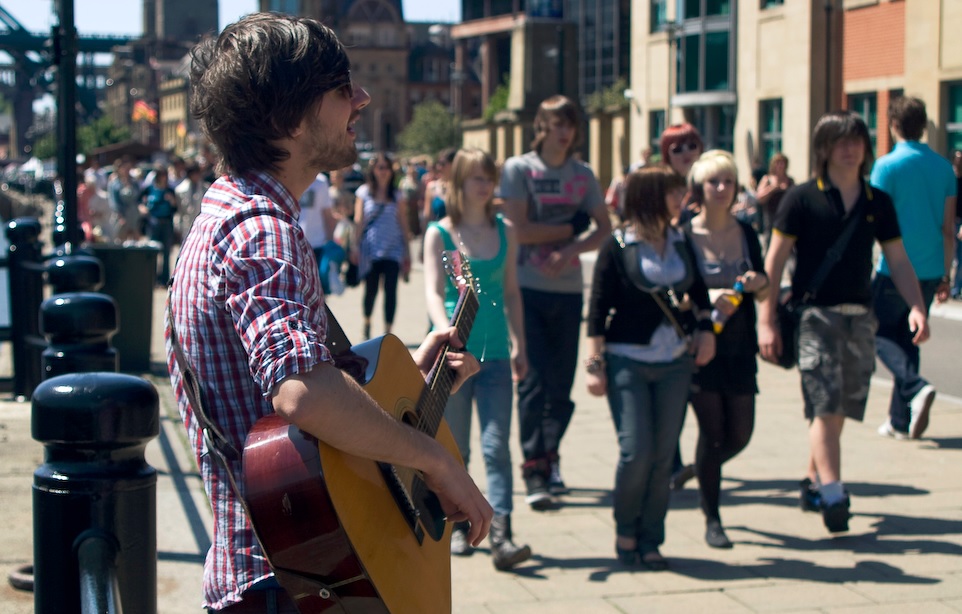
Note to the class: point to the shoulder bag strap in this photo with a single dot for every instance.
(632, 269)
(834, 254)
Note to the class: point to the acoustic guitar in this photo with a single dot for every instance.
(347, 534)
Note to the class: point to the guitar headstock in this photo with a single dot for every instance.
(458, 268)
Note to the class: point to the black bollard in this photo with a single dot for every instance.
(94, 428)
(78, 326)
(75, 273)
(26, 294)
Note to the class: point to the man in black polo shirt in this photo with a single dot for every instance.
(837, 327)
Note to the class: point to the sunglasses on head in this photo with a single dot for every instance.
(678, 148)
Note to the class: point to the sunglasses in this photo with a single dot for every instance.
(678, 148)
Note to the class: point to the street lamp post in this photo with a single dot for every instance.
(65, 45)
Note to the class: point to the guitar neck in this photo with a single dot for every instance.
(441, 378)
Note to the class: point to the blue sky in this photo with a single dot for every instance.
(124, 16)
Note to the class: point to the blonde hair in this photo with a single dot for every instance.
(712, 162)
(464, 163)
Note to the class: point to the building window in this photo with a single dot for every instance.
(767, 4)
(866, 105)
(771, 129)
(656, 125)
(285, 6)
(659, 15)
(705, 8)
(953, 118)
(704, 57)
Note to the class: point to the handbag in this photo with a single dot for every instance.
(789, 312)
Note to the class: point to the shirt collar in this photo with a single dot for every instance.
(261, 183)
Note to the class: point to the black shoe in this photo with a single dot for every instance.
(836, 515)
(715, 535)
(681, 477)
(653, 561)
(459, 540)
(538, 497)
(556, 486)
(809, 498)
(628, 558)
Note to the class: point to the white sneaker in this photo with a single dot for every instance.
(919, 407)
(887, 430)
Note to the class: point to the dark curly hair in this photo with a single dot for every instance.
(255, 83)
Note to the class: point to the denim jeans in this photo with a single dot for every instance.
(647, 402)
(957, 282)
(894, 347)
(162, 231)
(491, 388)
(552, 326)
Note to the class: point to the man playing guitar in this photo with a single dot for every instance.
(274, 94)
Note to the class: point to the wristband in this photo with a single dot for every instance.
(944, 280)
(705, 325)
(594, 364)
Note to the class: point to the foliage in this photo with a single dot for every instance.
(97, 133)
(498, 101)
(611, 96)
(431, 129)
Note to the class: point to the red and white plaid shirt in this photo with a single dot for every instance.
(248, 309)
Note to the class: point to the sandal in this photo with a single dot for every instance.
(654, 561)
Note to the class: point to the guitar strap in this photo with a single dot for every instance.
(225, 453)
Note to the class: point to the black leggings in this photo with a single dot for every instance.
(389, 270)
(725, 424)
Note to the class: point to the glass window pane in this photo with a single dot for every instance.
(955, 103)
(692, 9)
(716, 61)
(718, 7)
(690, 62)
(659, 14)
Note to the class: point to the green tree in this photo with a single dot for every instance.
(98, 133)
(612, 96)
(431, 129)
(498, 101)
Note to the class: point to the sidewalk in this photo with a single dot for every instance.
(904, 550)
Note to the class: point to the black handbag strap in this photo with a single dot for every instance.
(632, 268)
(834, 253)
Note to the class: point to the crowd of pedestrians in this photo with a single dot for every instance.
(689, 250)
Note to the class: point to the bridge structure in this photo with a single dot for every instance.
(29, 73)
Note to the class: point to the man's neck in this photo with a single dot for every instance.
(553, 157)
(844, 179)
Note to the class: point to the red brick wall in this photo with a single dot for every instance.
(874, 41)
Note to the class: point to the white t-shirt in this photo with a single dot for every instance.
(315, 200)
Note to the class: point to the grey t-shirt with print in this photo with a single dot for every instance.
(558, 193)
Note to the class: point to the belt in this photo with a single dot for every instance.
(260, 601)
(849, 309)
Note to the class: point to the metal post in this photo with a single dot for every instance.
(65, 57)
(94, 428)
(26, 283)
(99, 587)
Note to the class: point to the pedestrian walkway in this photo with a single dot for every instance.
(903, 552)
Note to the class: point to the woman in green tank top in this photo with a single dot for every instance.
(489, 244)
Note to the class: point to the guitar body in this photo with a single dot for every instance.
(331, 520)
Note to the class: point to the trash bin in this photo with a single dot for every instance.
(129, 275)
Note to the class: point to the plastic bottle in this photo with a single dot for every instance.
(718, 318)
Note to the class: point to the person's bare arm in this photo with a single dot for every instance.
(769, 338)
(330, 405)
(514, 311)
(434, 278)
(903, 276)
(948, 245)
(533, 233)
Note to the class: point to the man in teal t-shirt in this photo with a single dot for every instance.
(923, 189)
